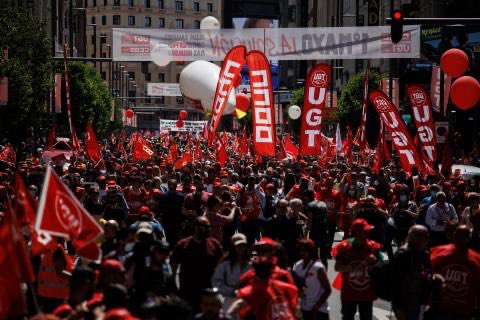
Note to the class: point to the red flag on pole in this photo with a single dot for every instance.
(401, 139)
(313, 105)
(231, 67)
(263, 113)
(172, 153)
(185, 159)
(142, 150)
(64, 216)
(291, 150)
(91, 144)
(221, 152)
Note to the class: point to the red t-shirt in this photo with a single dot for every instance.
(356, 284)
(461, 270)
(134, 200)
(278, 274)
(270, 300)
(333, 200)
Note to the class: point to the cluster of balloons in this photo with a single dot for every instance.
(182, 115)
(465, 91)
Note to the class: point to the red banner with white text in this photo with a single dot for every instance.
(231, 67)
(263, 116)
(394, 124)
(313, 105)
(422, 114)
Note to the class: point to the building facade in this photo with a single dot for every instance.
(104, 15)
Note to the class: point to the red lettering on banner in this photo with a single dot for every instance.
(135, 39)
(313, 104)
(262, 104)
(422, 114)
(402, 141)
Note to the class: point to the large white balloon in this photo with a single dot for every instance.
(209, 23)
(161, 54)
(294, 112)
(198, 82)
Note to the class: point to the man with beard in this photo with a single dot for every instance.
(197, 256)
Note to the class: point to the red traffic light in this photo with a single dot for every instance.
(397, 15)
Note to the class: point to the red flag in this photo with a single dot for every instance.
(142, 150)
(15, 267)
(422, 114)
(231, 67)
(313, 105)
(185, 159)
(64, 216)
(75, 142)
(172, 155)
(362, 141)
(402, 141)
(221, 153)
(51, 138)
(263, 113)
(198, 155)
(244, 148)
(93, 149)
(291, 150)
(379, 151)
(8, 154)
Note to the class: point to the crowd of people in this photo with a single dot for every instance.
(253, 239)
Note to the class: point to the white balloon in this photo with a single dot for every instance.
(209, 23)
(161, 54)
(198, 82)
(294, 112)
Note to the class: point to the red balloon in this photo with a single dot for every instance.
(183, 115)
(237, 80)
(242, 101)
(454, 62)
(129, 113)
(465, 92)
(179, 123)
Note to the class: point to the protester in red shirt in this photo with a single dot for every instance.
(268, 299)
(354, 258)
(460, 266)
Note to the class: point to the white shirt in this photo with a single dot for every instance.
(313, 289)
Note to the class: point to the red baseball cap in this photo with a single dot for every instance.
(63, 311)
(361, 225)
(119, 314)
(144, 210)
(111, 184)
(111, 265)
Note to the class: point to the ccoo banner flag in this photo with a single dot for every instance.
(313, 105)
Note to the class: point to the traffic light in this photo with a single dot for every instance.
(396, 27)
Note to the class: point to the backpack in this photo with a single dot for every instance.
(381, 280)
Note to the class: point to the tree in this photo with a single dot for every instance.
(350, 103)
(28, 71)
(90, 99)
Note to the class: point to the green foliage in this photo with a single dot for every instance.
(27, 69)
(298, 96)
(90, 99)
(349, 109)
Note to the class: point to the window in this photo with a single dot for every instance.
(116, 3)
(104, 20)
(161, 77)
(179, 23)
(148, 22)
(196, 24)
(105, 2)
(160, 4)
(131, 20)
(131, 75)
(161, 22)
(210, 7)
(103, 38)
(147, 4)
(179, 100)
(131, 3)
(179, 5)
(160, 100)
(116, 20)
(148, 76)
(292, 13)
(196, 6)
(94, 3)
(93, 20)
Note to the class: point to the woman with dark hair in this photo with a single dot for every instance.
(312, 282)
(227, 274)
